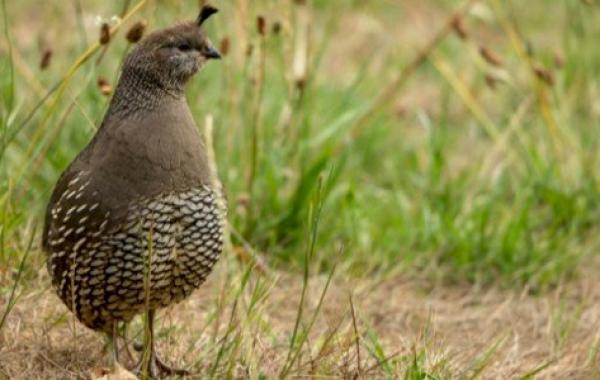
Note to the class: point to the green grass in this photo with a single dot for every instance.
(430, 186)
(448, 180)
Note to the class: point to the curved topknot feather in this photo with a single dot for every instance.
(205, 13)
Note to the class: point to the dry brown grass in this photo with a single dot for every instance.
(453, 328)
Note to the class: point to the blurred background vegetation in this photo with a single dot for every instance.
(395, 137)
(482, 167)
(377, 137)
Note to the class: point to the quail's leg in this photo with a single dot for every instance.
(113, 339)
(150, 365)
(126, 342)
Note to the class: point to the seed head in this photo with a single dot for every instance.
(136, 32)
(544, 75)
(490, 57)
(249, 50)
(104, 86)
(243, 200)
(559, 59)
(491, 81)
(46, 58)
(459, 28)
(104, 34)
(261, 25)
(224, 46)
(276, 28)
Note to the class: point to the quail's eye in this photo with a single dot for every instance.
(184, 46)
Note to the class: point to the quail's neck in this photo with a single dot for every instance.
(140, 91)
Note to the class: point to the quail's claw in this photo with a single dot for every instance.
(167, 369)
(157, 369)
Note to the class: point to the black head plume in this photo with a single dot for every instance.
(205, 13)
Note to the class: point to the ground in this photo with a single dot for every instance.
(450, 332)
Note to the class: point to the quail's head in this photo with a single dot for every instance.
(173, 55)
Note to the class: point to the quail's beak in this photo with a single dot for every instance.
(212, 53)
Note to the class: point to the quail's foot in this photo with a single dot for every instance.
(150, 365)
(155, 368)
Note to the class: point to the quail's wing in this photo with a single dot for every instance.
(76, 220)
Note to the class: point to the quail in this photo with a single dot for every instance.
(134, 224)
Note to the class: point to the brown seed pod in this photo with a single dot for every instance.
(559, 59)
(276, 28)
(490, 57)
(544, 75)
(136, 32)
(224, 46)
(104, 34)
(243, 200)
(104, 86)
(300, 83)
(459, 28)
(491, 81)
(261, 25)
(46, 58)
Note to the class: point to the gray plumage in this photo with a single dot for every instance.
(135, 210)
